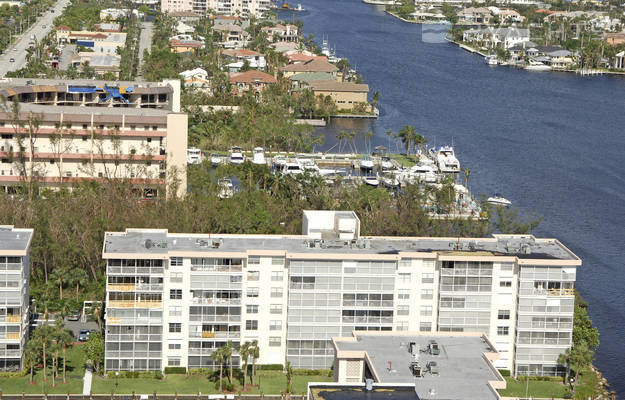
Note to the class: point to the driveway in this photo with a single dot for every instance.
(21, 44)
(66, 56)
(145, 41)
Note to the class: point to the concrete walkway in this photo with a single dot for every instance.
(86, 384)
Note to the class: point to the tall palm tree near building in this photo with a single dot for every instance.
(228, 349)
(407, 135)
(219, 356)
(32, 355)
(254, 353)
(244, 352)
(289, 377)
(64, 339)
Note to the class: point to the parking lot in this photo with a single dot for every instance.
(73, 326)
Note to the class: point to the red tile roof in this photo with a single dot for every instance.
(301, 57)
(240, 52)
(252, 76)
(63, 28)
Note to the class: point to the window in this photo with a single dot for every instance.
(253, 260)
(277, 261)
(403, 310)
(149, 140)
(84, 138)
(274, 341)
(425, 326)
(276, 292)
(503, 314)
(175, 311)
(277, 276)
(403, 294)
(175, 327)
(427, 278)
(507, 266)
(174, 346)
(275, 325)
(251, 325)
(404, 277)
(275, 309)
(505, 283)
(175, 277)
(173, 361)
(251, 309)
(502, 330)
(426, 311)
(427, 294)
(175, 294)
(252, 292)
(253, 275)
(175, 261)
(402, 326)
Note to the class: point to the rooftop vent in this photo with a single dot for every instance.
(201, 243)
(148, 244)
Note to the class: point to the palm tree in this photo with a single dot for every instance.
(57, 277)
(374, 100)
(467, 173)
(407, 134)
(418, 141)
(32, 355)
(254, 353)
(244, 351)
(289, 377)
(64, 339)
(228, 349)
(78, 277)
(96, 312)
(565, 359)
(219, 356)
(341, 136)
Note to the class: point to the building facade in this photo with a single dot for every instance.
(14, 295)
(244, 8)
(173, 298)
(64, 132)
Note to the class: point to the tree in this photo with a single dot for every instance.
(289, 377)
(244, 351)
(94, 349)
(32, 355)
(407, 135)
(219, 356)
(44, 335)
(374, 99)
(255, 354)
(228, 349)
(467, 173)
(64, 338)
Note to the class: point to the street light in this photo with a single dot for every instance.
(116, 380)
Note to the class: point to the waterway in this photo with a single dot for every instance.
(553, 143)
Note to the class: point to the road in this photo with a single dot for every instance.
(145, 42)
(21, 44)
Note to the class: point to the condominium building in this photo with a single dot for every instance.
(173, 298)
(66, 131)
(243, 8)
(14, 295)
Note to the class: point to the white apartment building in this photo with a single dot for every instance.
(173, 298)
(14, 295)
(242, 8)
(93, 130)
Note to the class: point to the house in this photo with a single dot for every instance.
(346, 95)
(300, 81)
(184, 29)
(185, 16)
(314, 65)
(281, 33)
(108, 27)
(99, 42)
(238, 57)
(100, 62)
(497, 37)
(619, 60)
(197, 78)
(283, 47)
(303, 56)
(507, 15)
(614, 39)
(257, 81)
(113, 14)
(184, 45)
(473, 15)
(231, 34)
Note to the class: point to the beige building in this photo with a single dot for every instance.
(245, 8)
(346, 95)
(313, 65)
(86, 129)
(99, 42)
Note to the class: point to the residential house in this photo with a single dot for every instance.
(251, 80)
(614, 39)
(184, 16)
(197, 78)
(314, 65)
(185, 45)
(302, 80)
(507, 15)
(619, 60)
(184, 29)
(238, 57)
(303, 56)
(473, 15)
(113, 14)
(283, 47)
(281, 33)
(346, 95)
(99, 42)
(232, 35)
(497, 37)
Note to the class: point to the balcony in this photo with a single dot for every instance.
(113, 321)
(217, 301)
(121, 287)
(13, 335)
(12, 319)
(208, 335)
(137, 304)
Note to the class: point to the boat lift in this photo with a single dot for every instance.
(109, 91)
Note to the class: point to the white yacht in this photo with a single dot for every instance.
(390, 179)
(236, 156)
(491, 59)
(292, 168)
(194, 156)
(423, 173)
(366, 163)
(371, 181)
(259, 156)
(537, 66)
(385, 163)
(498, 200)
(226, 188)
(446, 159)
(279, 162)
(216, 159)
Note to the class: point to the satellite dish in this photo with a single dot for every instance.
(148, 243)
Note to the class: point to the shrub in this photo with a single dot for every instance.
(158, 375)
(14, 374)
(270, 367)
(312, 372)
(504, 372)
(228, 387)
(175, 370)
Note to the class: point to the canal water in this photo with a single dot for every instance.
(553, 143)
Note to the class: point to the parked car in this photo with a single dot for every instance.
(83, 335)
(74, 316)
(12, 59)
(14, 48)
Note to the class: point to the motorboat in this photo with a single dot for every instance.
(279, 162)
(537, 66)
(491, 59)
(194, 156)
(292, 168)
(498, 200)
(216, 159)
(225, 188)
(308, 165)
(259, 156)
(390, 180)
(422, 172)
(366, 163)
(385, 163)
(371, 181)
(236, 156)
(446, 159)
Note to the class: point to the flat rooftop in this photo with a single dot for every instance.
(464, 372)
(344, 392)
(526, 247)
(14, 241)
(12, 82)
(116, 111)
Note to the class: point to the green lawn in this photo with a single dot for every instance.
(75, 373)
(271, 382)
(546, 389)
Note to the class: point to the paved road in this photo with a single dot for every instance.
(21, 44)
(66, 56)
(145, 41)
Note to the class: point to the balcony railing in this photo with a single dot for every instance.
(135, 304)
(13, 335)
(113, 320)
(121, 287)
(12, 319)
(208, 335)
(217, 301)
(215, 335)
